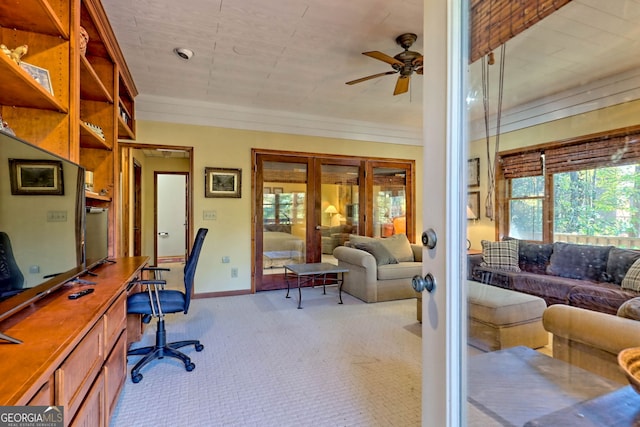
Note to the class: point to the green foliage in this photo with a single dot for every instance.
(600, 201)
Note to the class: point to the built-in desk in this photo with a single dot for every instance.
(73, 351)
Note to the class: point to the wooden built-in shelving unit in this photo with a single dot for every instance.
(95, 88)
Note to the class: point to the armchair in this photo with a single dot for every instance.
(156, 302)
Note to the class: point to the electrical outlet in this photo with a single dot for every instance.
(56, 216)
(209, 215)
(234, 272)
(226, 260)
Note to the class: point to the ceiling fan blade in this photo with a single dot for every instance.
(402, 85)
(352, 82)
(383, 57)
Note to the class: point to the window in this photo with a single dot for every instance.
(584, 191)
(525, 207)
(598, 206)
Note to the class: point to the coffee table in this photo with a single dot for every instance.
(305, 273)
(519, 384)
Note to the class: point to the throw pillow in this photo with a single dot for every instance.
(619, 262)
(379, 252)
(399, 246)
(354, 239)
(501, 255)
(534, 257)
(632, 278)
(573, 261)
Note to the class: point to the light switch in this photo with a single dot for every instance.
(209, 215)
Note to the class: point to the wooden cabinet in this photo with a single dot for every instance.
(74, 351)
(91, 101)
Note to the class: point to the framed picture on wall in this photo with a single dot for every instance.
(36, 177)
(473, 205)
(473, 172)
(220, 182)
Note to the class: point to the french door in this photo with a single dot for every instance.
(307, 205)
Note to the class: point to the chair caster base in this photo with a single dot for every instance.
(199, 347)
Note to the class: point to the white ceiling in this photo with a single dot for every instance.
(293, 57)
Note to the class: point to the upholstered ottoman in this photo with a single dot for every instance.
(500, 318)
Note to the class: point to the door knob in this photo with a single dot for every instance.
(426, 283)
(429, 238)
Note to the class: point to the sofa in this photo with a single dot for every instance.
(592, 340)
(597, 278)
(380, 269)
(334, 236)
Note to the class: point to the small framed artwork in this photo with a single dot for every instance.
(277, 190)
(473, 172)
(36, 177)
(41, 75)
(266, 190)
(473, 205)
(221, 182)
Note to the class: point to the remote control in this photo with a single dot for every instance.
(82, 293)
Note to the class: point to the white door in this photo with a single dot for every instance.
(443, 332)
(171, 215)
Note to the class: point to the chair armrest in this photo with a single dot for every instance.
(152, 268)
(599, 330)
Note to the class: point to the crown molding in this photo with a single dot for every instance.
(182, 111)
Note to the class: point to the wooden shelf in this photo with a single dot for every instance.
(89, 139)
(19, 89)
(91, 87)
(35, 15)
(95, 196)
(124, 131)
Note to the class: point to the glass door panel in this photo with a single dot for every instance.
(389, 201)
(339, 194)
(283, 220)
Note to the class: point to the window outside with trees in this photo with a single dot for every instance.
(598, 206)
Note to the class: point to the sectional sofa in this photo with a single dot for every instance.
(597, 278)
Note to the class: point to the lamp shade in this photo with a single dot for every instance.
(331, 210)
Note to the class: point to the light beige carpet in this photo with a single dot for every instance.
(266, 363)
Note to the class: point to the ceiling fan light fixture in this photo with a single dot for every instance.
(183, 53)
(404, 64)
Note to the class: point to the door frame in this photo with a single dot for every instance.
(314, 162)
(444, 324)
(126, 166)
(155, 211)
(137, 207)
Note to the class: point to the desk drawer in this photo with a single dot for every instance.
(115, 321)
(76, 374)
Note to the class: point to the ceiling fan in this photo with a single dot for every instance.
(405, 63)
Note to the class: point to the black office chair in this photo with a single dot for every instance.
(11, 278)
(156, 302)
